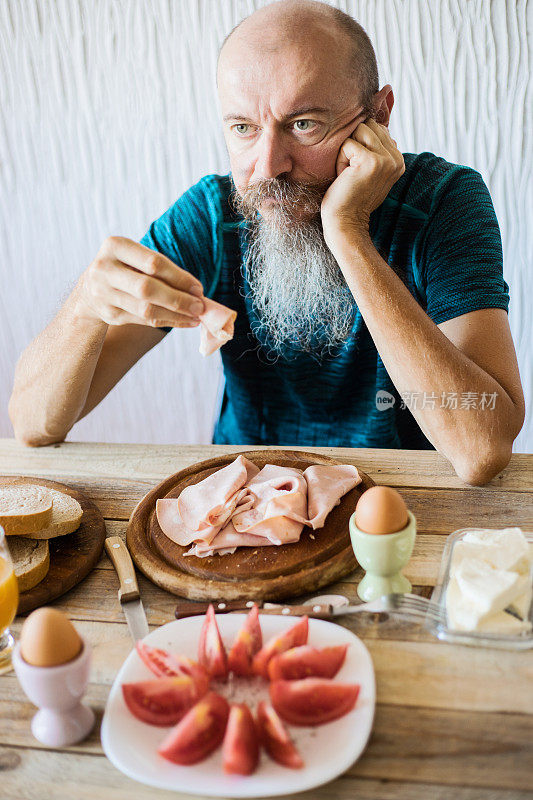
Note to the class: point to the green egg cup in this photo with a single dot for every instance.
(382, 556)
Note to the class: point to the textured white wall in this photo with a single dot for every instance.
(108, 112)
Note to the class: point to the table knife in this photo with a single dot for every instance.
(128, 593)
(317, 610)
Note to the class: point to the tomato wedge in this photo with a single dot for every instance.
(246, 645)
(169, 665)
(307, 662)
(275, 739)
(312, 701)
(161, 702)
(199, 732)
(211, 651)
(293, 637)
(240, 747)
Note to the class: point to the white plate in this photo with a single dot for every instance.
(327, 750)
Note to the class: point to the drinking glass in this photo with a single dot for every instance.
(9, 598)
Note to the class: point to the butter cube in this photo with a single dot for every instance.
(503, 549)
(486, 588)
(503, 623)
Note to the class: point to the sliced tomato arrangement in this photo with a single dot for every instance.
(295, 636)
(199, 733)
(312, 701)
(307, 662)
(211, 650)
(240, 748)
(275, 738)
(163, 701)
(246, 645)
(302, 692)
(164, 664)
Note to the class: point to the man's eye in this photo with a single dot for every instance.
(304, 125)
(241, 128)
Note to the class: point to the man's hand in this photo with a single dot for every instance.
(129, 283)
(368, 165)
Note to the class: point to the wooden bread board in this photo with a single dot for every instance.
(72, 556)
(276, 572)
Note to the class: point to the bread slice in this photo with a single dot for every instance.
(24, 508)
(66, 517)
(31, 561)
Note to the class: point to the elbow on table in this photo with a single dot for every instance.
(33, 440)
(480, 468)
(30, 437)
(36, 439)
(486, 460)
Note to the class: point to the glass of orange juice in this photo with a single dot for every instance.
(9, 598)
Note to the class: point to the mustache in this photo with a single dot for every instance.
(290, 196)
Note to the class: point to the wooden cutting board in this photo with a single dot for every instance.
(72, 557)
(276, 572)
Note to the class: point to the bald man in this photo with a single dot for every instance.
(372, 309)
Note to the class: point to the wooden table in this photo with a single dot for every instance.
(451, 722)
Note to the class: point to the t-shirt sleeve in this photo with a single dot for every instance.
(462, 261)
(187, 233)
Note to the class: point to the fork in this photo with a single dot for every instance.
(405, 605)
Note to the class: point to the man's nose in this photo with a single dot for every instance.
(273, 158)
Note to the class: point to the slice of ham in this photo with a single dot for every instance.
(281, 506)
(226, 542)
(172, 525)
(216, 326)
(203, 509)
(326, 484)
(242, 506)
(197, 504)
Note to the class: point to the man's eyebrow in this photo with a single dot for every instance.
(297, 113)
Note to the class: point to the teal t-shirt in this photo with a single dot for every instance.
(436, 228)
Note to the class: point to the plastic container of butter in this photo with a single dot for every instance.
(516, 641)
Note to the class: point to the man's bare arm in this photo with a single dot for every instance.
(108, 322)
(53, 376)
(472, 353)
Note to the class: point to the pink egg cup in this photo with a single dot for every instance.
(57, 691)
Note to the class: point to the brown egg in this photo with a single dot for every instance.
(49, 638)
(381, 510)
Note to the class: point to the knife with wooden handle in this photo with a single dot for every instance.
(128, 593)
(316, 610)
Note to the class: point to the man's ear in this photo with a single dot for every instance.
(383, 102)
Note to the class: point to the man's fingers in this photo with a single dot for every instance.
(383, 133)
(366, 135)
(376, 137)
(149, 289)
(143, 312)
(136, 255)
(117, 316)
(349, 149)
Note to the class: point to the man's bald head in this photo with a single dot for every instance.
(289, 21)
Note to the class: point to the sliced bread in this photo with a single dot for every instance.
(24, 508)
(66, 517)
(31, 561)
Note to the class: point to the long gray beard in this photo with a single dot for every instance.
(298, 290)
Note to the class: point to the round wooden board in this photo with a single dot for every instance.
(72, 557)
(264, 573)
